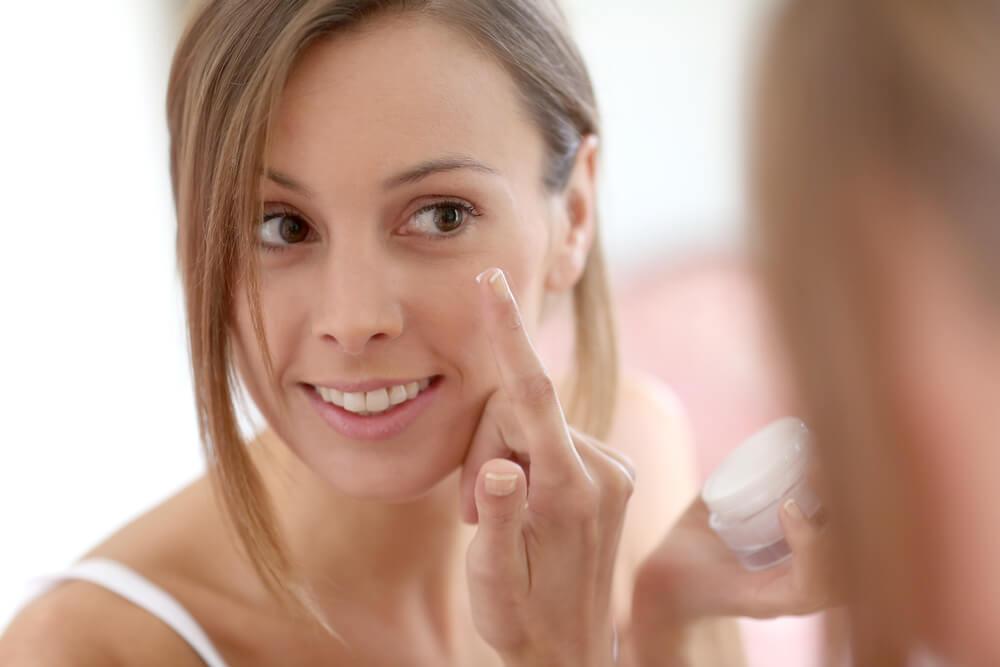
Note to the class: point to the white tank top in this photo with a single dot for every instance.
(141, 592)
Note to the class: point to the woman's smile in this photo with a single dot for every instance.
(373, 409)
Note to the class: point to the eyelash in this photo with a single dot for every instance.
(280, 212)
(471, 210)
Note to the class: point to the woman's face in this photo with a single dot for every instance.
(401, 165)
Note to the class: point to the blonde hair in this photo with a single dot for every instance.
(228, 72)
(854, 90)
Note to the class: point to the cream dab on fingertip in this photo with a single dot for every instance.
(493, 271)
(498, 281)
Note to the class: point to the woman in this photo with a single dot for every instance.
(347, 177)
(878, 164)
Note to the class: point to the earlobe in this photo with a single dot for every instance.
(572, 246)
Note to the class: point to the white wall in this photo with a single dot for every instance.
(670, 77)
(95, 398)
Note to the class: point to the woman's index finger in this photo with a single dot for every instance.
(526, 383)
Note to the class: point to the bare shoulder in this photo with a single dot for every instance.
(652, 428)
(79, 624)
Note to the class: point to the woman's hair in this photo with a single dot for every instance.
(854, 93)
(228, 72)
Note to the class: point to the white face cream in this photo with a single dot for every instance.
(746, 492)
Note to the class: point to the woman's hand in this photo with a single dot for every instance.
(692, 576)
(550, 505)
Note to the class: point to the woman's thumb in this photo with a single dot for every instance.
(800, 534)
(501, 490)
(497, 551)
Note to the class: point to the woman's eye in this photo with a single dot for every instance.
(283, 229)
(441, 219)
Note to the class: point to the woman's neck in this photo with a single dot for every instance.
(368, 554)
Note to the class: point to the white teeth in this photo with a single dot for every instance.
(336, 397)
(354, 401)
(373, 402)
(397, 394)
(377, 401)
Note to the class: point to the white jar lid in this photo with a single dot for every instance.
(759, 471)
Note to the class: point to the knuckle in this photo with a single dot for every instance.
(484, 574)
(582, 502)
(537, 389)
(481, 567)
(615, 480)
(499, 520)
(628, 465)
(624, 486)
(616, 487)
(620, 482)
(615, 500)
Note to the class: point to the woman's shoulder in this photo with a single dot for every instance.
(647, 403)
(79, 623)
(652, 428)
(651, 424)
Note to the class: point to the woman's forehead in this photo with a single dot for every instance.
(399, 92)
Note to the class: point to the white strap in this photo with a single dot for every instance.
(143, 593)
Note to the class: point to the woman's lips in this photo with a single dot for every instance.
(370, 427)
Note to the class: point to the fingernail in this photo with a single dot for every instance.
(500, 484)
(498, 281)
(793, 510)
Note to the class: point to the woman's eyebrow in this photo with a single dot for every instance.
(411, 175)
(286, 181)
(425, 169)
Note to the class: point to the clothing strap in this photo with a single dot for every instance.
(143, 593)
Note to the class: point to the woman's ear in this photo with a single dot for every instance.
(576, 220)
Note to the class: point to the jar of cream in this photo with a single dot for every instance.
(746, 492)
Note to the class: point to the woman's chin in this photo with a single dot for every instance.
(391, 486)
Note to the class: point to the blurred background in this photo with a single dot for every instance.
(96, 402)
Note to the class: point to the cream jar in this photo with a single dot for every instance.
(745, 493)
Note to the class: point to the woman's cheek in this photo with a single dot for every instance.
(277, 315)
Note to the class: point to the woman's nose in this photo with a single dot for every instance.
(357, 308)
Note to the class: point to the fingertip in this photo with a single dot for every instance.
(498, 480)
(486, 274)
(498, 474)
(792, 510)
(500, 484)
(497, 284)
(799, 530)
